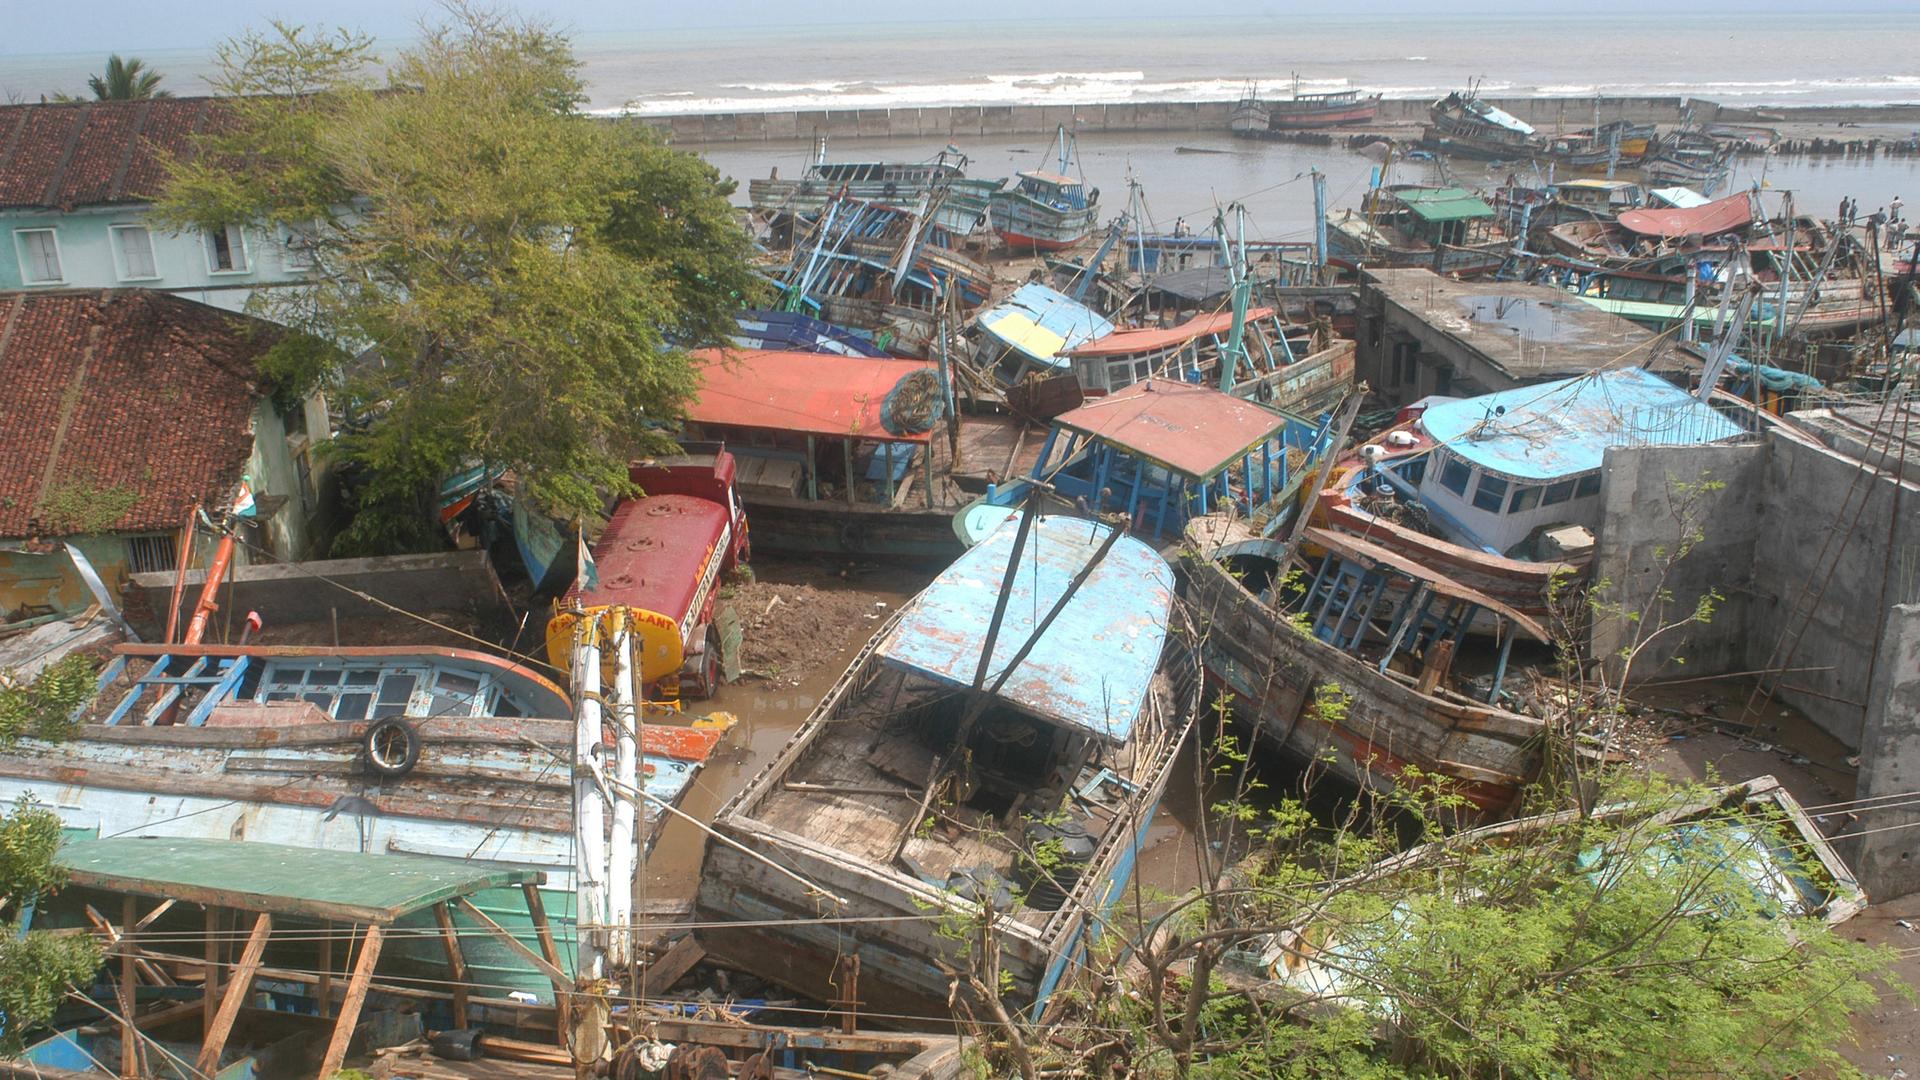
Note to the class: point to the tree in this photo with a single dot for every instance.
(126, 80)
(518, 281)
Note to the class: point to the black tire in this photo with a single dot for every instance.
(391, 747)
(457, 1045)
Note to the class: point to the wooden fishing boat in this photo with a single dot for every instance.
(962, 209)
(791, 331)
(437, 752)
(844, 455)
(1463, 125)
(1029, 332)
(1501, 493)
(1046, 211)
(1763, 834)
(1283, 374)
(1160, 453)
(1447, 230)
(1353, 671)
(1255, 118)
(1052, 757)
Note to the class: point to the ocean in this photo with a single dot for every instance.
(1755, 59)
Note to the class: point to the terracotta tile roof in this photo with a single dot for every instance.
(94, 153)
(117, 395)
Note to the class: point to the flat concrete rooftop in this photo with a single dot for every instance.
(1530, 331)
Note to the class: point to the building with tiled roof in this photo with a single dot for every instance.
(76, 181)
(122, 410)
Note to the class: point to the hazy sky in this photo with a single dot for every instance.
(29, 27)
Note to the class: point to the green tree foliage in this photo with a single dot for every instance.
(517, 280)
(45, 707)
(36, 969)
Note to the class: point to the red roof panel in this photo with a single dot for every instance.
(125, 391)
(1194, 430)
(1730, 214)
(1147, 339)
(810, 393)
(94, 153)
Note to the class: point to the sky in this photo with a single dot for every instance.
(131, 26)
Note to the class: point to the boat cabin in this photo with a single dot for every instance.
(1505, 466)
(1161, 452)
(1052, 189)
(1454, 217)
(1602, 198)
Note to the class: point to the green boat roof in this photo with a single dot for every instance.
(1445, 204)
(344, 886)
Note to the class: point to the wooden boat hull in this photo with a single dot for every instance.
(821, 527)
(1274, 672)
(1287, 115)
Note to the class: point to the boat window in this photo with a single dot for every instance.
(1414, 470)
(321, 677)
(395, 691)
(1557, 493)
(1491, 493)
(1589, 486)
(1454, 476)
(364, 677)
(1524, 499)
(353, 706)
(453, 694)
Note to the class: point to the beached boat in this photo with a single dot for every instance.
(789, 331)
(1255, 117)
(1756, 829)
(1283, 373)
(961, 210)
(1037, 684)
(1463, 125)
(1029, 332)
(841, 455)
(1160, 453)
(1690, 157)
(1613, 145)
(1446, 230)
(1349, 665)
(1501, 492)
(439, 752)
(1046, 211)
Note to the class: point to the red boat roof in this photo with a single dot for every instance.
(811, 393)
(653, 554)
(1193, 430)
(1150, 339)
(1709, 219)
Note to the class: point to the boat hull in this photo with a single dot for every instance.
(808, 527)
(1275, 671)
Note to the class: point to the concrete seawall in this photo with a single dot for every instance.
(973, 121)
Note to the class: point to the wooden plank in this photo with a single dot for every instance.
(660, 975)
(129, 1035)
(210, 975)
(456, 964)
(544, 966)
(324, 988)
(237, 989)
(537, 912)
(350, 1005)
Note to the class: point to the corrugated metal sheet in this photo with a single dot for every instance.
(1091, 670)
(1194, 430)
(1730, 214)
(810, 393)
(1559, 429)
(1153, 339)
(1445, 204)
(1042, 323)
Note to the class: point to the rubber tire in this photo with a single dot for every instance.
(458, 1045)
(379, 733)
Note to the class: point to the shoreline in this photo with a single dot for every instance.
(1549, 114)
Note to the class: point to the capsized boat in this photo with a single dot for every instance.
(1349, 666)
(1465, 125)
(1027, 333)
(1037, 686)
(1501, 492)
(426, 751)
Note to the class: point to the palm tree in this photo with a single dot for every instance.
(126, 80)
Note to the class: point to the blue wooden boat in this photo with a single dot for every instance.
(1161, 452)
(791, 331)
(1046, 211)
(1063, 741)
(549, 554)
(1031, 331)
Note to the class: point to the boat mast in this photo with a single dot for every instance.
(1235, 349)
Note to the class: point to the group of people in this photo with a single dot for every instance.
(1887, 217)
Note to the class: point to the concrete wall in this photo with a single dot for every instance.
(973, 121)
(1887, 862)
(295, 592)
(1810, 494)
(1645, 486)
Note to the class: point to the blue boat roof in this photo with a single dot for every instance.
(1043, 322)
(1557, 429)
(1091, 670)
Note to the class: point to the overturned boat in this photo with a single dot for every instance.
(997, 752)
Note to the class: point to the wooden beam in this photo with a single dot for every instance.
(141, 926)
(350, 1005)
(456, 963)
(519, 948)
(129, 1034)
(237, 989)
(210, 975)
(323, 990)
(658, 976)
